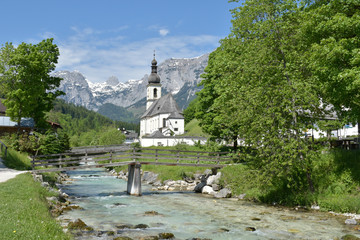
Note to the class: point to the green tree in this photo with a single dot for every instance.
(214, 116)
(25, 79)
(51, 142)
(258, 87)
(111, 136)
(331, 30)
(190, 111)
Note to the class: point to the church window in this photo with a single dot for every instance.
(155, 93)
(175, 122)
(176, 129)
(164, 122)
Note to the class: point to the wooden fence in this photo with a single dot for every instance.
(111, 158)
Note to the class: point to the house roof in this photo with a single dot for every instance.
(165, 104)
(25, 122)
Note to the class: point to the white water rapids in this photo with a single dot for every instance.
(188, 215)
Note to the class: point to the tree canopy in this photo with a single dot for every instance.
(282, 66)
(25, 79)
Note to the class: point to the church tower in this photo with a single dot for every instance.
(154, 87)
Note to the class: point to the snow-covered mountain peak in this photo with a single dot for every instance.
(177, 76)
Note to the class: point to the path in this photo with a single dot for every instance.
(7, 173)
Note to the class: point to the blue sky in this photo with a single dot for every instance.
(117, 37)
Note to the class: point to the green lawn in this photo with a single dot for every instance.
(17, 160)
(193, 129)
(24, 211)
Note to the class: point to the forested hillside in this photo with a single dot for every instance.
(84, 126)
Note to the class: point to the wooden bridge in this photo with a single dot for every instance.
(121, 155)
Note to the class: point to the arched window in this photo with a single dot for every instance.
(155, 92)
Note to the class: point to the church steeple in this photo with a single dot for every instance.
(154, 86)
(154, 77)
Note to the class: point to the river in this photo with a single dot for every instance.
(186, 214)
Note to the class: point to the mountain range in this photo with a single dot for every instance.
(126, 101)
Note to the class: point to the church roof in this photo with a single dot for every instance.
(156, 134)
(165, 104)
(176, 115)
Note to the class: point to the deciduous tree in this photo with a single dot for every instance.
(331, 30)
(258, 86)
(25, 79)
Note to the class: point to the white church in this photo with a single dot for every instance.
(163, 121)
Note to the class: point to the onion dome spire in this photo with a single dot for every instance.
(154, 77)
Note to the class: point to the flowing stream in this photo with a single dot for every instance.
(186, 214)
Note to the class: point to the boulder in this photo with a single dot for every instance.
(38, 177)
(188, 180)
(122, 238)
(141, 226)
(151, 213)
(197, 176)
(315, 207)
(149, 177)
(216, 187)
(166, 236)
(198, 188)
(223, 193)
(349, 237)
(124, 226)
(53, 199)
(213, 179)
(149, 238)
(79, 225)
(242, 196)
(207, 190)
(169, 182)
(350, 221)
(191, 187)
(250, 229)
(157, 183)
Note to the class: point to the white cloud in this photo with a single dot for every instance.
(98, 55)
(163, 32)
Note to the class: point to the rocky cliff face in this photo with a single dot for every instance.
(179, 76)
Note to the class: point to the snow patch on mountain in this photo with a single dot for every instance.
(177, 76)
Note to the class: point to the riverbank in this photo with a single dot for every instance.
(24, 212)
(187, 215)
(209, 183)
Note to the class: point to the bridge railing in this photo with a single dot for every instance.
(101, 157)
(181, 158)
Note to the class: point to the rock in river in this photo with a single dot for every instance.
(223, 193)
(350, 221)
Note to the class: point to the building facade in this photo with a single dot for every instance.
(162, 116)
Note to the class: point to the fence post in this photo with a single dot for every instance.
(198, 160)
(60, 161)
(156, 155)
(218, 158)
(177, 157)
(110, 156)
(133, 155)
(33, 163)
